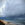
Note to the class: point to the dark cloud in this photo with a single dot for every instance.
(13, 7)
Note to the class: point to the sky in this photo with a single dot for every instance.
(12, 8)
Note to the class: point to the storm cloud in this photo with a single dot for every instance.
(13, 7)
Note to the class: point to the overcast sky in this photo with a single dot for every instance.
(12, 7)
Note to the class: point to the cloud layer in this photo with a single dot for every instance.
(13, 7)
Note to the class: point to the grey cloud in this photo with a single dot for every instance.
(14, 7)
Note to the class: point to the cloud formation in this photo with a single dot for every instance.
(13, 7)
